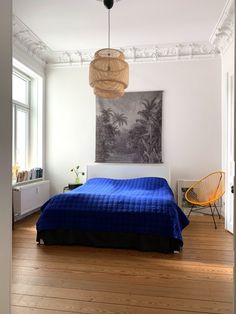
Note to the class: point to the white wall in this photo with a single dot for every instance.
(5, 155)
(191, 117)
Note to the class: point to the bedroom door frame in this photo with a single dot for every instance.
(234, 209)
(5, 155)
(230, 164)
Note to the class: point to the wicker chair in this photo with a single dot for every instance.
(206, 192)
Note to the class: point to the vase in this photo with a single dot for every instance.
(77, 180)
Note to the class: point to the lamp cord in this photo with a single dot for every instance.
(109, 29)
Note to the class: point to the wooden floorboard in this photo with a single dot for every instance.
(76, 279)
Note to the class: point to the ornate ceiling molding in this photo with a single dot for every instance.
(34, 46)
(24, 37)
(184, 51)
(223, 32)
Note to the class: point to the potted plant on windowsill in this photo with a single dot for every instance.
(77, 174)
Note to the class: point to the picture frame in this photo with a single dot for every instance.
(129, 128)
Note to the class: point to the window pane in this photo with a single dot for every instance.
(21, 138)
(19, 89)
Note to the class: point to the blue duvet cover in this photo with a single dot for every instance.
(142, 206)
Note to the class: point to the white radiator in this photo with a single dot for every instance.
(29, 197)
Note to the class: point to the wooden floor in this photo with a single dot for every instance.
(106, 281)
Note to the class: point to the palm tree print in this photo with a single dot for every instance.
(129, 129)
(150, 119)
(119, 118)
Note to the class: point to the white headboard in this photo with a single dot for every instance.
(127, 171)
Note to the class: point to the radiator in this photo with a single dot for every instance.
(30, 196)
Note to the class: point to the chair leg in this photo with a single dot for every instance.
(190, 211)
(217, 210)
(212, 213)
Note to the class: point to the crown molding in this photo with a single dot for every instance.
(171, 52)
(35, 47)
(223, 33)
(28, 41)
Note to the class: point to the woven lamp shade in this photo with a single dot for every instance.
(109, 73)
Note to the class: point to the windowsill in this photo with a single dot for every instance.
(26, 182)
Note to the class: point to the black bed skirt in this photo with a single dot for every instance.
(142, 242)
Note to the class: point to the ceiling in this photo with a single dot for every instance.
(82, 24)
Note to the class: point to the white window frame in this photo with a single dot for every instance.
(24, 107)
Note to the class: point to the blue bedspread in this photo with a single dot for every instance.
(142, 205)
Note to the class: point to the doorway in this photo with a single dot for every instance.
(230, 164)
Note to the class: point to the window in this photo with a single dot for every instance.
(27, 104)
(20, 88)
(21, 119)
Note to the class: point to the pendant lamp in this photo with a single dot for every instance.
(108, 72)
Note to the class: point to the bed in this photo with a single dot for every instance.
(134, 213)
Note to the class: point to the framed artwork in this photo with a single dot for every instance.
(129, 129)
